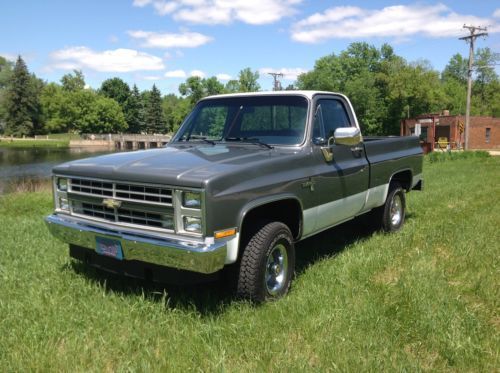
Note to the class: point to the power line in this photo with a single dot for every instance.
(277, 83)
(475, 32)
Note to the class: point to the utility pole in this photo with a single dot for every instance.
(277, 83)
(475, 32)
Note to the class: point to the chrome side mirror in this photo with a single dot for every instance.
(349, 136)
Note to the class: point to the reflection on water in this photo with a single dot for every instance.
(22, 168)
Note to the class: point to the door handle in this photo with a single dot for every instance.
(357, 149)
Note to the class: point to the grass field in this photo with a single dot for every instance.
(426, 298)
(51, 143)
(48, 141)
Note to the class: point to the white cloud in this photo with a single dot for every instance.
(167, 40)
(223, 77)
(254, 12)
(117, 60)
(400, 21)
(288, 72)
(176, 74)
(197, 73)
(141, 3)
(496, 13)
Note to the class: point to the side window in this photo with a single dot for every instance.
(318, 124)
(334, 116)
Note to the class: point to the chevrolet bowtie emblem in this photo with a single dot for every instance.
(111, 203)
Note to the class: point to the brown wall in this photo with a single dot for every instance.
(477, 138)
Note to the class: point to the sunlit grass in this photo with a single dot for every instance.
(41, 143)
(426, 298)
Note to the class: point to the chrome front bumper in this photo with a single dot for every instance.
(186, 255)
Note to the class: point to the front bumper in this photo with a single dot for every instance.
(173, 253)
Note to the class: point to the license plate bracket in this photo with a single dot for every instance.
(109, 247)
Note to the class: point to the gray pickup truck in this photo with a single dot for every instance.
(245, 177)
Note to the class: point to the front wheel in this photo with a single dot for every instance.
(267, 263)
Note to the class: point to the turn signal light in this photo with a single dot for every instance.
(225, 233)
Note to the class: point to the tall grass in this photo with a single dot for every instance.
(424, 299)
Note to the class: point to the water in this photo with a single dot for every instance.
(25, 168)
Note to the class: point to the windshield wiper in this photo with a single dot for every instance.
(203, 138)
(249, 140)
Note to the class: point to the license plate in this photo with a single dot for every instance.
(109, 247)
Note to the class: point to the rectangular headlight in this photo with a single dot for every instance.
(63, 203)
(191, 200)
(62, 184)
(192, 224)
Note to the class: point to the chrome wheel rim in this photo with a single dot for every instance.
(396, 210)
(276, 269)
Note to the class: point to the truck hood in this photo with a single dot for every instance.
(177, 165)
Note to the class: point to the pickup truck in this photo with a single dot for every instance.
(245, 177)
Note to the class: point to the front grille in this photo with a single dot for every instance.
(124, 215)
(138, 205)
(148, 194)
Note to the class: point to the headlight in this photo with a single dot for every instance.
(63, 203)
(62, 184)
(192, 225)
(191, 200)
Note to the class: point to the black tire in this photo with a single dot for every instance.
(267, 264)
(392, 213)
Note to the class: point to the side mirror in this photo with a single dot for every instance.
(349, 136)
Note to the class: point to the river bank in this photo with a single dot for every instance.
(8, 142)
(29, 168)
(102, 141)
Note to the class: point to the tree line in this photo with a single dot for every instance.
(383, 87)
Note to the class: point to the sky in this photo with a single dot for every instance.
(163, 42)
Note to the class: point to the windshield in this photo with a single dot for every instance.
(264, 120)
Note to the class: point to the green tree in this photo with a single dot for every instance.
(116, 89)
(456, 69)
(73, 82)
(6, 67)
(248, 80)
(175, 109)
(382, 86)
(22, 102)
(134, 111)
(232, 86)
(155, 121)
(53, 101)
(193, 89)
(212, 86)
(85, 111)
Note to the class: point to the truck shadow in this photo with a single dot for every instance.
(212, 298)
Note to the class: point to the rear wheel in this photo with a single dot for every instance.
(391, 215)
(267, 263)
(394, 209)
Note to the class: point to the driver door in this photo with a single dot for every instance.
(344, 179)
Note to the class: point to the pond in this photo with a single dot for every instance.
(26, 169)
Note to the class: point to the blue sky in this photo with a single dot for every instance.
(165, 41)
